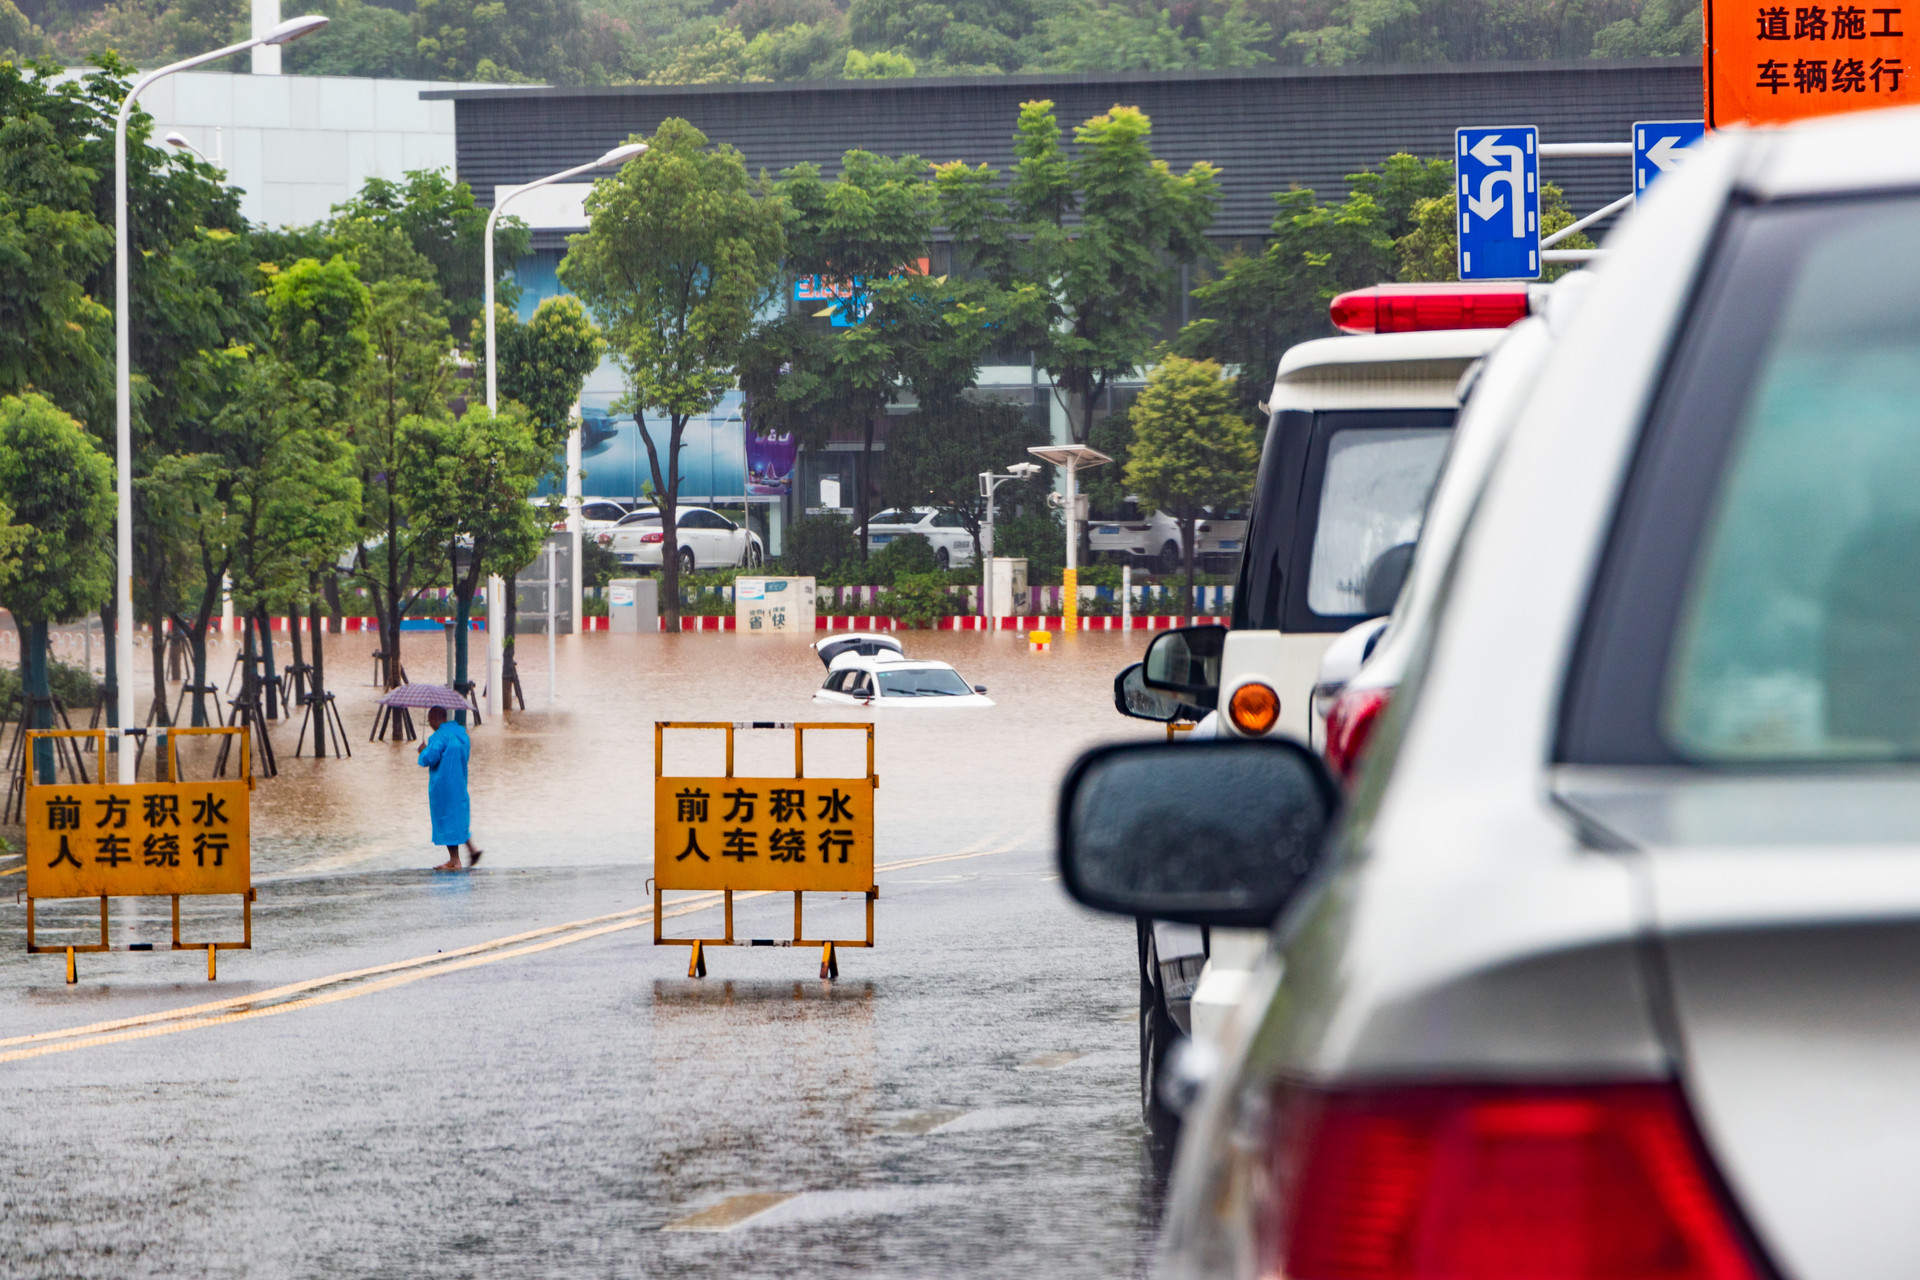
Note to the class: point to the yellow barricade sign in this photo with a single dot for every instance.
(87, 839)
(806, 834)
(126, 841)
(784, 835)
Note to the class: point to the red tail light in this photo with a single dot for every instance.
(1350, 722)
(1417, 308)
(559, 526)
(653, 537)
(1604, 1182)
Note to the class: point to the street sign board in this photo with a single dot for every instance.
(1657, 147)
(1498, 202)
(106, 840)
(1769, 63)
(810, 834)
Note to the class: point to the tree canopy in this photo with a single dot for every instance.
(702, 42)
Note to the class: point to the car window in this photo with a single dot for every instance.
(929, 682)
(1759, 602)
(601, 511)
(1372, 499)
(642, 517)
(1800, 633)
(836, 680)
(893, 515)
(695, 520)
(947, 520)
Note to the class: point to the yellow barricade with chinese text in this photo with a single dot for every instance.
(782, 835)
(145, 839)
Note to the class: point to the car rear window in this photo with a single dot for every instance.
(1761, 600)
(1373, 497)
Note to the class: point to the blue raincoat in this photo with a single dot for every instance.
(445, 759)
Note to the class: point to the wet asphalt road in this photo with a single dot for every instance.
(962, 1101)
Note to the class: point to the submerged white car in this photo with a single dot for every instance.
(888, 678)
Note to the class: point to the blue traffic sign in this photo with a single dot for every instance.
(1657, 145)
(1499, 202)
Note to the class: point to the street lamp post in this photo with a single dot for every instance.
(496, 587)
(1070, 458)
(988, 483)
(290, 30)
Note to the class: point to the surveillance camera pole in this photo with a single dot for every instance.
(1070, 458)
(989, 481)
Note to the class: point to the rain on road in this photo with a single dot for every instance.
(524, 1085)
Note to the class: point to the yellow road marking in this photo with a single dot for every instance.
(242, 1008)
(731, 1212)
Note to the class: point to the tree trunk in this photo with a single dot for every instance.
(159, 663)
(463, 609)
(197, 651)
(270, 684)
(317, 706)
(39, 693)
(110, 684)
(506, 642)
(1187, 536)
(865, 470)
(299, 661)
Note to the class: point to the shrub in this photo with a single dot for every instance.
(1040, 537)
(907, 554)
(922, 598)
(817, 546)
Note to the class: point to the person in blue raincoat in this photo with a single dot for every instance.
(444, 755)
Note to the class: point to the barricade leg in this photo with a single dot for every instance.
(72, 976)
(697, 966)
(829, 963)
(212, 951)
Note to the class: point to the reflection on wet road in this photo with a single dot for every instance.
(497, 1073)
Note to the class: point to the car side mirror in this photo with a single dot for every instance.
(979, 688)
(1131, 697)
(1186, 661)
(1213, 833)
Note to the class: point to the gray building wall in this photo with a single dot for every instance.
(1268, 130)
(298, 145)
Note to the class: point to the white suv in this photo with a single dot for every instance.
(1612, 965)
(952, 544)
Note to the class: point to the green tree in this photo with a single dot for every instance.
(465, 485)
(489, 40)
(410, 374)
(1430, 249)
(1259, 304)
(543, 365)
(934, 459)
(444, 226)
(55, 556)
(1192, 449)
(681, 251)
(1086, 36)
(1085, 246)
(359, 40)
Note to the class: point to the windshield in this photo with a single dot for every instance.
(928, 682)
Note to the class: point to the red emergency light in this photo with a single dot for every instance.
(1418, 308)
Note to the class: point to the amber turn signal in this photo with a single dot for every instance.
(1253, 708)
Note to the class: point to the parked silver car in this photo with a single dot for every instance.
(1610, 968)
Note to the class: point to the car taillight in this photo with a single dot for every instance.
(559, 526)
(1417, 308)
(1350, 722)
(605, 539)
(1506, 1182)
(653, 537)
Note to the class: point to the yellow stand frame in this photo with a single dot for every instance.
(212, 948)
(697, 962)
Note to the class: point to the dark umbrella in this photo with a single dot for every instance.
(425, 695)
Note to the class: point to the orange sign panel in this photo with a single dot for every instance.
(104, 840)
(1770, 63)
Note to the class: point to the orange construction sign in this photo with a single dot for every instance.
(1770, 63)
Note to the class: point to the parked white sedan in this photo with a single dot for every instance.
(952, 544)
(707, 540)
(888, 679)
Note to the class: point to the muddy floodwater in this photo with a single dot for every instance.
(498, 1073)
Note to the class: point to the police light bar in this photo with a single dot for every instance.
(1418, 308)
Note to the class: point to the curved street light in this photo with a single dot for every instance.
(290, 30)
(496, 638)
